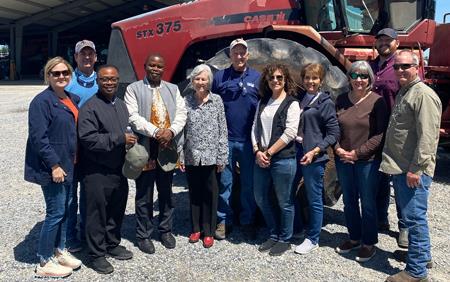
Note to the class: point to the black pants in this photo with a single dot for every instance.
(203, 196)
(144, 202)
(106, 200)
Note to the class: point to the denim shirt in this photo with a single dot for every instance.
(205, 133)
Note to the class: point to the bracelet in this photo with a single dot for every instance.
(268, 155)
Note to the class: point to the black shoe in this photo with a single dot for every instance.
(120, 253)
(146, 246)
(168, 240)
(401, 256)
(279, 248)
(267, 245)
(384, 227)
(101, 265)
(249, 231)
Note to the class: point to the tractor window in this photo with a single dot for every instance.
(404, 13)
(361, 14)
(320, 14)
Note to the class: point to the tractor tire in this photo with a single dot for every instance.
(266, 50)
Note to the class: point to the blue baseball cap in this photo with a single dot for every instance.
(388, 32)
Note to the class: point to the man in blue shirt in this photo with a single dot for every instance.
(84, 85)
(238, 87)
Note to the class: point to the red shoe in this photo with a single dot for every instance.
(208, 242)
(194, 237)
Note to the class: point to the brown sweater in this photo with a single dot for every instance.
(362, 125)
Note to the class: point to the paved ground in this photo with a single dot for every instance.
(22, 211)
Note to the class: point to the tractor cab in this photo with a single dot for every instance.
(366, 16)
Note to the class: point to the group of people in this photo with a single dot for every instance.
(385, 128)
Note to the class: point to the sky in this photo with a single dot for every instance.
(442, 7)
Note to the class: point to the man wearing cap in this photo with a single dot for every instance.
(83, 84)
(409, 155)
(158, 114)
(238, 87)
(386, 85)
(102, 133)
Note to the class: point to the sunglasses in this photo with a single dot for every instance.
(108, 79)
(403, 66)
(58, 73)
(355, 75)
(277, 77)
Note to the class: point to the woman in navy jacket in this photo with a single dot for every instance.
(49, 162)
(318, 130)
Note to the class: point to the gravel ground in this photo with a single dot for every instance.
(22, 211)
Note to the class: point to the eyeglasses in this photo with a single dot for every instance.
(58, 73)
(403, 66)
(108, 79)
(355, 75)
(277, 77)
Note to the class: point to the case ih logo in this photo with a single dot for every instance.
(273, 16)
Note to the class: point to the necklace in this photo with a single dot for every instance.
(353, 98)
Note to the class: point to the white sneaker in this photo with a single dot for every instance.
(306, 247)
(66, 259)
(52, 269)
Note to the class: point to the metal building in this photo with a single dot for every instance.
(31, 31)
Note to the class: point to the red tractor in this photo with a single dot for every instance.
(332, 32)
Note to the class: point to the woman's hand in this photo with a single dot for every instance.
(262, 159)
(346, 156)
(352, 156)
(58, 174)
(340, 152)
(182, 167)
(308, 158)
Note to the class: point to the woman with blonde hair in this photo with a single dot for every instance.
(49, 162)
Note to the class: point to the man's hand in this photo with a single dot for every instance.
(58, 174)
(164, 136)
(220, 168)
(130, 139)
(412, 180)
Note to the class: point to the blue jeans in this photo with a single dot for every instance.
(359, 181)
(53, 232)
(279, 218)
(241, 152)
(413, 203)
(384, 193)
(298, 220)
(313, 179)
(73, 210)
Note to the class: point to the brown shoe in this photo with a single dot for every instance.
(402, 256)
(347, 247)
(365, 253)
(220, 233)
(404, 276)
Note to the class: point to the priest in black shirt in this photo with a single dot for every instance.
(102, 133)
